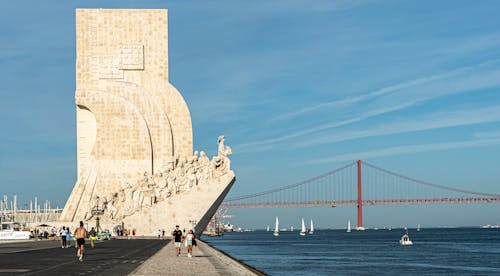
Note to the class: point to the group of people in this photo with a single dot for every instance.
(66, 237)
(79, 235)
(189, 240)
(161, 234)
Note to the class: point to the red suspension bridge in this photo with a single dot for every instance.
(359, 184)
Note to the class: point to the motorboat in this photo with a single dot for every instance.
(303, 228)
(405, 240)
(311, 231)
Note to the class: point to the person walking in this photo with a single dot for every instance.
(68, 238)
(63, 234)
(92, 237)
(177, 235)
(190, 240)
(80, 234)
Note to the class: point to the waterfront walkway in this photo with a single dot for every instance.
(116, 257)
(206, 260)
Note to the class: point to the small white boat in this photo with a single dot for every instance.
(418, 228)
(267, 229)
(276, 228)
(311, 231)
(303, 229)
(348, 226)
(405, 240)
(291, 228)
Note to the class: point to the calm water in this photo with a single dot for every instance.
(457, 251)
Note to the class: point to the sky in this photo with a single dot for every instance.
(298, 88)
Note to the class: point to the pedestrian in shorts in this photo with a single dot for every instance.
(177, 235)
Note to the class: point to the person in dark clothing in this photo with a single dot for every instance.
(177, 235)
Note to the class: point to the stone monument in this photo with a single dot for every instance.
(136, 165)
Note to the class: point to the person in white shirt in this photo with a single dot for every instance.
(63, 234)
(190, 240)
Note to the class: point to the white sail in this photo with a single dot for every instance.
(303, 229)
(267, 229)
(348, 226)
(277, 227)
(311, 231)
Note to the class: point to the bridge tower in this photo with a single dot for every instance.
(360, 201)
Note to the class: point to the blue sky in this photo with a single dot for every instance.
(298, 88)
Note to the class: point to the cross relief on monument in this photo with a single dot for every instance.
(127, 57)
(131, 57)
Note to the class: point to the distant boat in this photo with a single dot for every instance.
(303, 229)
(267, 229)
(291, 228)
(277, 228)
(311, 231)
(405, 240)
(348, 226)
(418, 227)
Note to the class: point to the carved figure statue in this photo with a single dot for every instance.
(221, 163)
(153, 188)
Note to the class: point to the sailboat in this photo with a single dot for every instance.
(303, 229)
(291, 228)
(418, 228)
(277, 228)
(267, 229)
(311, 231)
(348, 226)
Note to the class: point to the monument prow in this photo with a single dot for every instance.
(136, 165)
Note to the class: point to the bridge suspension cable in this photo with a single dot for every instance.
(345, 187)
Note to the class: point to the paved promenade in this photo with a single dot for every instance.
(205, 261)
(116, 257)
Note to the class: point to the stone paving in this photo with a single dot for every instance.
(205, 261)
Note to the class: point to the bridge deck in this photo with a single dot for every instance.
(365, 202)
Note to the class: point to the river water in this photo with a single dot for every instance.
(448, 251)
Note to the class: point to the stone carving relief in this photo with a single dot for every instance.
(109, 67)
(178, 178)
(131, 57)
(127, 57)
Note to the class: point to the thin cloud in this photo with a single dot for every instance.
(431, 91)
(437, 120)
(403, 150)
(383, 91)
(257, 146)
